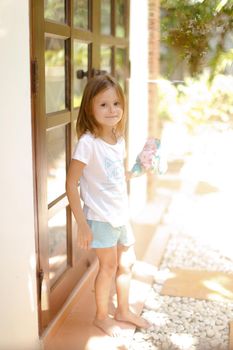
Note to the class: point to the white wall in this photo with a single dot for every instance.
(18, 307)
(138, 97)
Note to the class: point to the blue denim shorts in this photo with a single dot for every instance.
(107, 236)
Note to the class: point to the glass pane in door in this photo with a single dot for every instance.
(106, 58)
(54, 74)
(106, 17)
(80, 61)
(56, 162)
(57, 227)
(81, 14)
(54, 10)
(120, 64)
(120, 18)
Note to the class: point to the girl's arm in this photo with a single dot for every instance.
(84, 232)
(128, 175)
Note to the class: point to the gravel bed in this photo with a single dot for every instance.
(180, 322)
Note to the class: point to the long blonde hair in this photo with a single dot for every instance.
(86, 121)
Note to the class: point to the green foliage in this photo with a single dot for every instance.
(196, 30)
(54, 58)
(196, 101)
(54, 10)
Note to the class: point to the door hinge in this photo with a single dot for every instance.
(34, 76)
(44, 291)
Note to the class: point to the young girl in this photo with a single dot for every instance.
(103, 221)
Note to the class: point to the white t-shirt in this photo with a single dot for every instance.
(102, 184)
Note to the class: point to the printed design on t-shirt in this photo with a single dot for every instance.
(114, 170)
(115, 177)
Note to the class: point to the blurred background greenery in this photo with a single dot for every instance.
(196, 34)
(196, 63)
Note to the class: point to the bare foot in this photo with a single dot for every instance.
(131, 317)
(108, 325)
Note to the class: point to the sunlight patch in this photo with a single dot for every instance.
(162, 275)
(218, 288)
(158, 319)
(183, 341)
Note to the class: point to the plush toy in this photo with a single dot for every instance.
(150, 159)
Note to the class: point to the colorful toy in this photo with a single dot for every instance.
(150, 159)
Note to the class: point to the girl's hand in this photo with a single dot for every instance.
(85, 236)
(128, 175)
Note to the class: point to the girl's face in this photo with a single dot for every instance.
(107, 109)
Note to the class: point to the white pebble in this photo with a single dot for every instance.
(210, 333)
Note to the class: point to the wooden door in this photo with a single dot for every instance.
(71, 40)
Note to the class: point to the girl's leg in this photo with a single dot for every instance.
(126, 259)
(107, 270)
